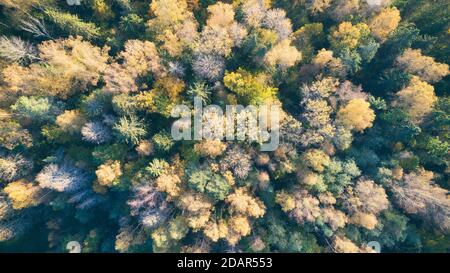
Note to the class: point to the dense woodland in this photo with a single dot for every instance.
(86, 92)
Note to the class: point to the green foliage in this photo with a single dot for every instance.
(36, 109)
(163, 141)
(104, 153)
(72, 24)
(214, 185)
(157, 167)
(130, 130)
(132, 25)
(251, 89)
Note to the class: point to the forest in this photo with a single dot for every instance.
(87, 93)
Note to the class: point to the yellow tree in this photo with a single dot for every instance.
(108, 173)
(316, 159)
(243, 203)
(426, 68)
(71, 121)
(384, 23)
(67, 66)
(347, 35)
(356, 115)
(22, 194)
(417, 99)
(282, 55)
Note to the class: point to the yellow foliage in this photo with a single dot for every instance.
(316, 159)
(240, 225)
(194, 202)
(140, 57)
(242, 202)
(102, 10)
(211, 148)
(417, 99)
(282, 55)
(108, 173)
(71, 121)
(198, 221)
(216, 230)
(220, 15)
(319, 6)
(167, 13)
(67, 66)
(166, 93)
(344, 245)
(356, 115)
(169, 183)
(285, 200)
(366, 220)
(20, 4)
(348, 35)
(426, 68)
(384, 23)
(397, 173)
(145, 148)
(22, 194)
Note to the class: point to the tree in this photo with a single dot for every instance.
(282, 55)
(216, 230)
(209, 67)
(149, 206)
(243, 203)
(71, 121)
(214, 41)
(252, 89)
(254, 12)
(214, 185)
(157, 167)
(108, 173)
(167, 13)
(356, 115)
(61, 178)
(36, 109)
(237, 161)
(220, 15)
(365, 203)
(308, 38)
(15, 49)
(166, 93)
(318, 6)
(417, 99)
(68, 66)
(384, 23)
(210, 148)
(96, 132)
(22, 194)
(130, 130)
(276, 20)
(12, 135)
(344, 245)
(169, 183)
(316, 159)
(418, 195)
(348, 35)
(145, 148)
(137, 60)
(72, 24)
(14, 167)
(163, 141)
(424, 67)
